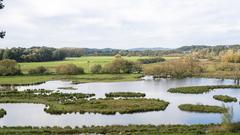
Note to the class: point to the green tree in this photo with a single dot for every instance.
(96, 69)
(38, 71)
(69, 69)
(9, 67)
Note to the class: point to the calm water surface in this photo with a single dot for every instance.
(33, 114)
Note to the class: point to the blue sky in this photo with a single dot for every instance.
(119, 23)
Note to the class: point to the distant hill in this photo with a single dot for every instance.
(200, 47)
(151, 49)
(191, 48)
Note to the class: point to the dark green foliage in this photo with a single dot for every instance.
(2, 113)
(119, 66)
(38, 71)
(69, 69)
(34, 54)
(202, 108)
(96, 69)
(151, 60)
(124, 94)
(225, 98)
(9, 68)
(200, 89)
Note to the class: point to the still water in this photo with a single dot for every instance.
(34, 115)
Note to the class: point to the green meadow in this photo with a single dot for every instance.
(84, 62)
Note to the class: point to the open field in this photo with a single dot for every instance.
(85, 62)
(20, 80)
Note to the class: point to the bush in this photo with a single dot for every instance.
(38, 71)
(151, 60)
(96, 69)
(69, 69)
(9, 67)
(119, 65)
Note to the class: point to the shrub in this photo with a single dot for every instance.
(96, 69)
(38, 71)
(151, 60)
(9, 67)
(119, 65)
(69, 69)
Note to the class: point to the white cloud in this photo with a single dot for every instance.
(120, 23)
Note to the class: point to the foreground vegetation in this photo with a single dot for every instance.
(59, 103)
(200, 89)
(28, 80)
(125, 94)
(225, 98)
(2, 113)
(202, 108)
(125, 130)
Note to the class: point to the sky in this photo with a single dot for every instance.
(119, 23)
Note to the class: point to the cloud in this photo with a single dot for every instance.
(120, 23)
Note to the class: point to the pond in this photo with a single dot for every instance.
(34, 115)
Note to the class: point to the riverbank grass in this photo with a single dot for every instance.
(202, 108)
(124, 130)
(85, 78)
(225, 98)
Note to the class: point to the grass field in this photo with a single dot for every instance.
(85, 62)
(18, 80)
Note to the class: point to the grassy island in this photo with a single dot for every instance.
(200, 89)
(225, 98)
(59, 103)
(125, 94)
(202, 108)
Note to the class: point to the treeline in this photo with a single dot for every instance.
(41, 54)
(33, 54)
(180, 68)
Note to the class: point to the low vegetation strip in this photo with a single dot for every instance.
(202, 108)
(200, 89)
(59, 103)
(225, 98)
(125, 130)
(34, 79)
(125, 94)
(2, 113)
(67, 88)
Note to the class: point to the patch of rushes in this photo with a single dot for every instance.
(225, 98)
(125, 94)
(200, 89)
(2, 113)
(202, 108)
(67, 88)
